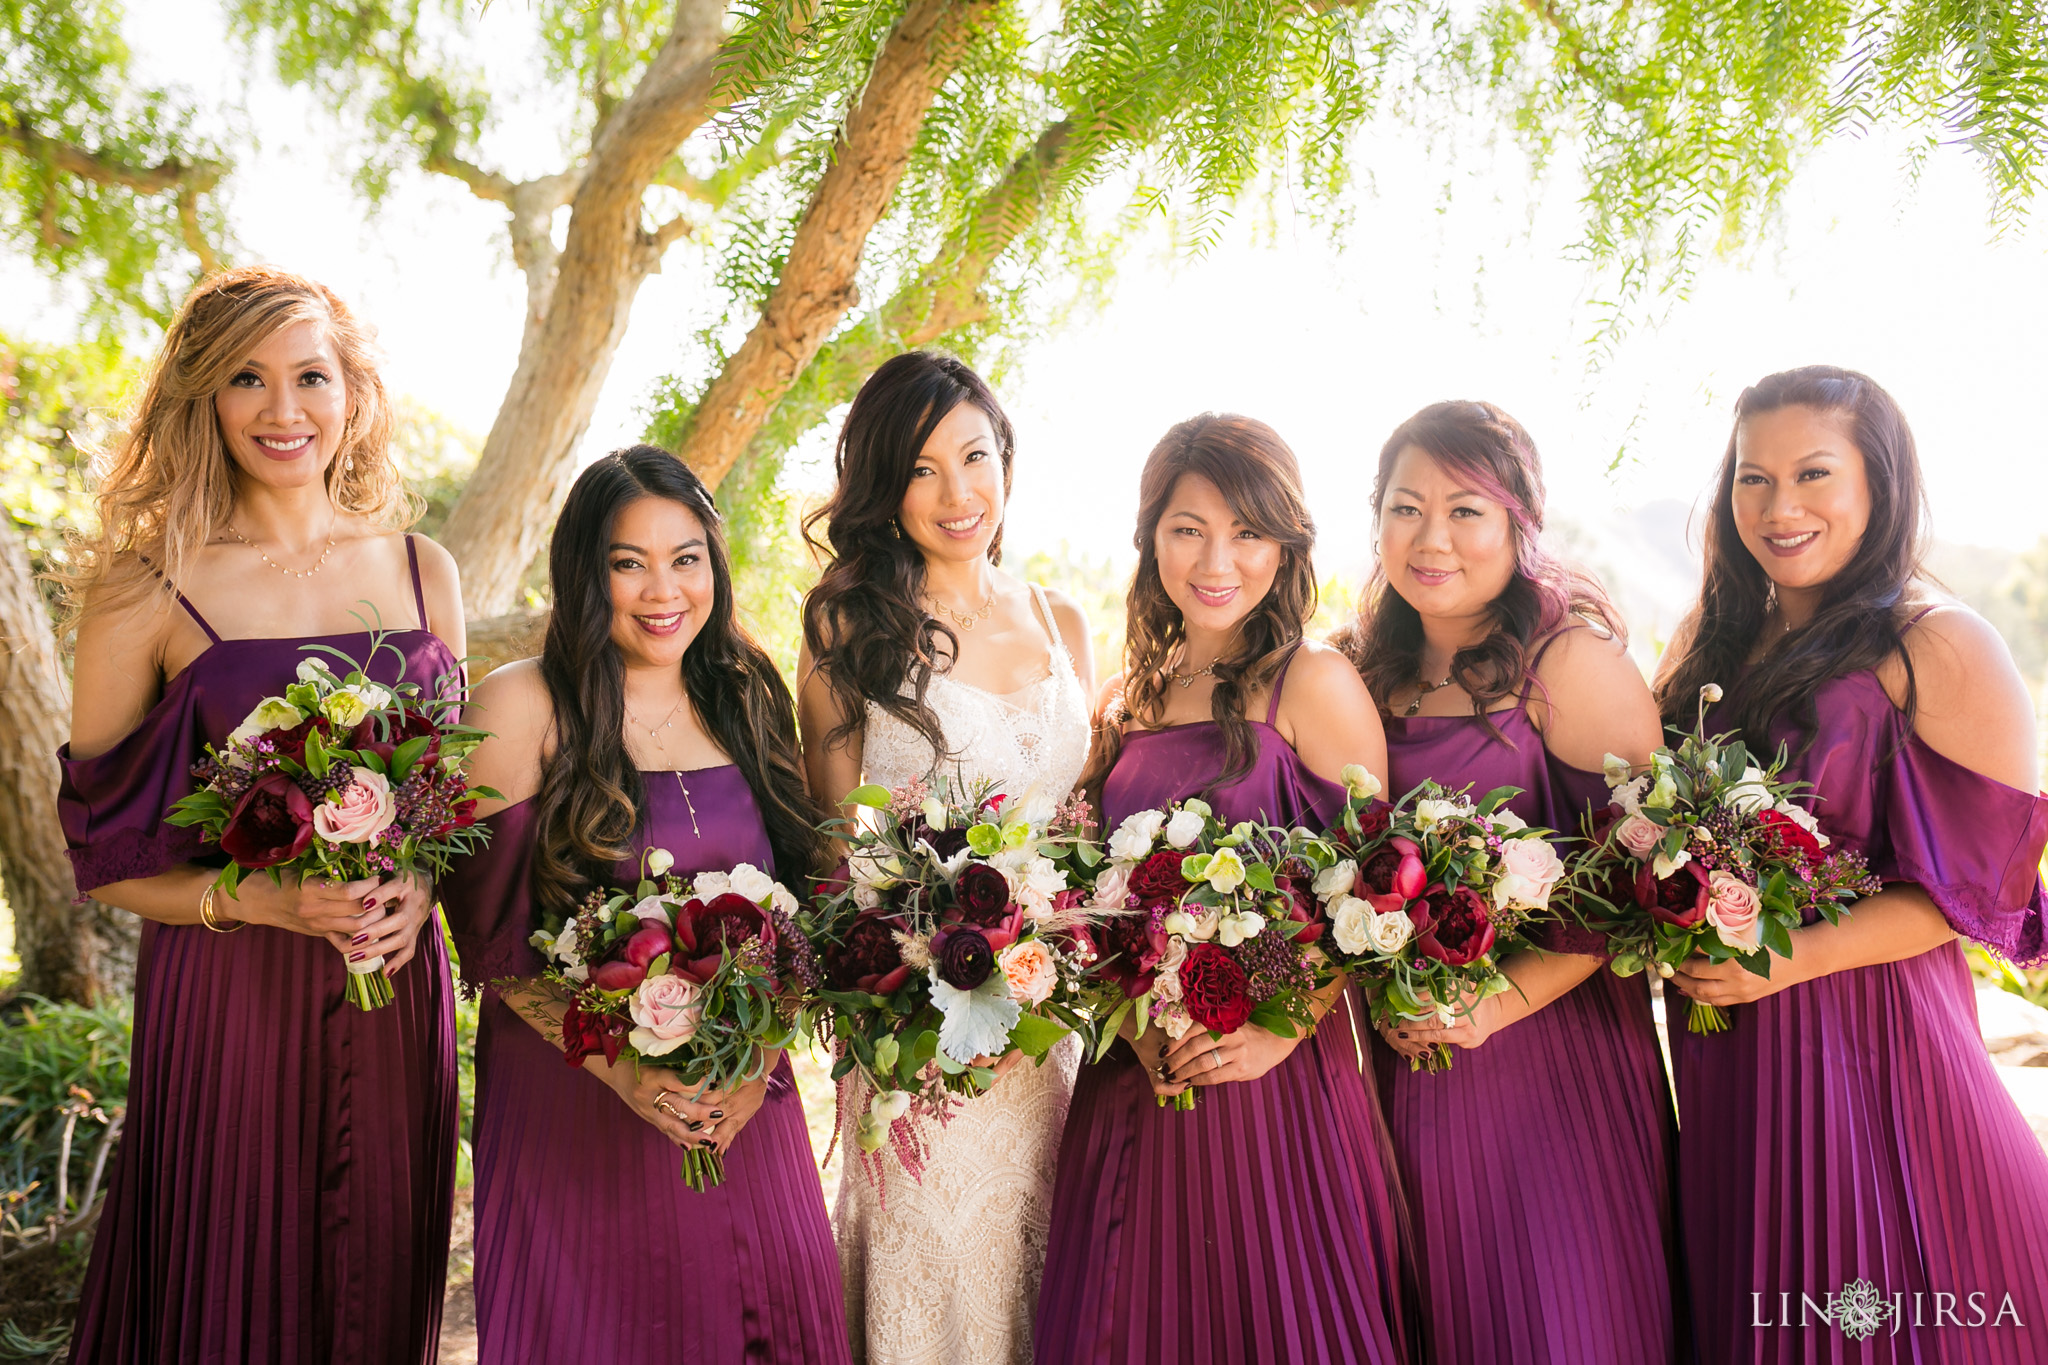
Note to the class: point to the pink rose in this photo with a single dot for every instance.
(354, 813)
(1732, 906)
(666, 1011)
(1028, 967)
(1638, 835)
(1530, 868)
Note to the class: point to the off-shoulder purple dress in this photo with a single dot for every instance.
(283, 1184)
(589, 1246)
(1538, 1167)
(1266, 1224)
(1851, 1128)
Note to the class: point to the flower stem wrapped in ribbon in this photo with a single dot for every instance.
(1706, 852)
(1211, 927)
(345, 779)
(705, 976)
(1426, 896)
(951, 934)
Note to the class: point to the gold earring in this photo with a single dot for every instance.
(896, 528)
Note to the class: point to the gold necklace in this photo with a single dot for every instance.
(1423, 689)
(654, 734)
(1187, 680)
(689, 806)
(318, 564)
(982, 613)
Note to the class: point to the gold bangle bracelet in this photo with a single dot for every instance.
(206, 916)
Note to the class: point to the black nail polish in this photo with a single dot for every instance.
(1399, 1034)
(718, 1113)
(692, 1125)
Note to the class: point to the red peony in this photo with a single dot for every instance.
(1157, 880)
(1376, 873)
(586, 1034)
(399, 729)
(1452, 926)
(982, 895)
(1679, 900)
(271, 824)
(1214, 989)
(869, 959)
(1790, 837)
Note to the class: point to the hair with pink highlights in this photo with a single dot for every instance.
(1489, 452)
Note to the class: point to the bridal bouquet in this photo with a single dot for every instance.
(340, 778)
(703, 975)
(951, 935)
(1708, 853)
(1220, 928)
(1426, 896)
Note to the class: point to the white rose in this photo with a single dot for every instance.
(1336, 881)
(1133, 838)
(710, 885)
(659, 861)
(1112, 887)
(782, 899)
(1747, 794)
(1389, 933)
(752, 882)
(1349, 919)
(1184, 828)
(866, 897)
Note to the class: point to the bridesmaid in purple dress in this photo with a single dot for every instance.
(1538, 1168)
(650, 720)
(1859, 1185)
(1266, 1224)
(283, 1184)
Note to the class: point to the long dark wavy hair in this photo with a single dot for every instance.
(1489, 452)
(591, 798)
(865, 622)
(1858, 624)
(1258, 476)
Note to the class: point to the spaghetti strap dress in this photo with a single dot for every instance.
(282, 1189)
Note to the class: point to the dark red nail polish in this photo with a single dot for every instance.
(360, 938)
(369, 902)
(355, 957)
(1399, 1034)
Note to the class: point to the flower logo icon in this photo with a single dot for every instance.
(1859, 1309)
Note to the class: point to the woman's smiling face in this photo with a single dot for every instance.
(1214, 566)
(1802, 494)
(1447, 549)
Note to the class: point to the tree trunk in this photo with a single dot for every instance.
(817, 289)
(68, 952)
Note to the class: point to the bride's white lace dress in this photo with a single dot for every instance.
(946, 1270)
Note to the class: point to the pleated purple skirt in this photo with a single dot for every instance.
(1262, 1226)
(1852, 1129)
(1537, 1172)
(282, 1188)
(589, 1247)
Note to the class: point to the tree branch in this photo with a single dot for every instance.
(173, 173)
(817, 288)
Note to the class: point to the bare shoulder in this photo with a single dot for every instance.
(1970, 703)
(1588, 656)
(441, 585)
(512, 702)
(437, 566)
(1066, 612)
(118, 669)
(1108, 695)
(1593, 700)
(1319, 676)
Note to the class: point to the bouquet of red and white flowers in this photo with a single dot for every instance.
(340, 778)
(1426, 896)
(950, 936)
(703, 975)
(1219, 928)
(1708, 853)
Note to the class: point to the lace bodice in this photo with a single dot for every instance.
(945, 1270)
(1036, 735)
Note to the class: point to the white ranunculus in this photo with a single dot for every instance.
(1431, 812)
(1747, 794)
(659, 861)
(1133, 838)
(1336, 881)
(710, 885)
(1349, 920)
(1184, 828)
(1112, 888)
(1389, 933)
(752, 882)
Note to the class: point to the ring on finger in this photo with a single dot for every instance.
(662, 1103)
(1215, 1059)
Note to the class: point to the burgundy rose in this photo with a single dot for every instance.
(585, 1034)
(1452, 926)
(271, 824)
(397, 730)
(1302, 905)
(1374, 821)
(964, 957)
(1157, 880)
(1679, 900)
(944, 842)
(1791, 838)
(869, 959)
(1214, 989)
(1131, 949)
(982, 895)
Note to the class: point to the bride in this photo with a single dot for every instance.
(921, 660)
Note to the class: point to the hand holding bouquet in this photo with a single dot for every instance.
(1426, 897)
(950, 936)
(340, 778)
(1707, 853)
(1219, 928)
(704, 975)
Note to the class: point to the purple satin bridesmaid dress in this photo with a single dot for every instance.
(589, 1247)
(1266, 1224)
(1850, 1131)
(282, 1188)
(1538, 1167)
